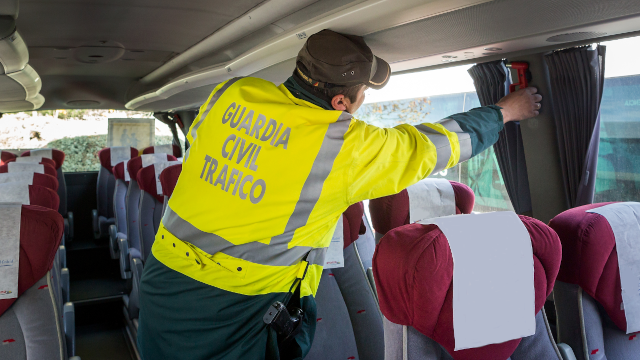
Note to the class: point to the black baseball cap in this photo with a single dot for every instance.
(329, 59)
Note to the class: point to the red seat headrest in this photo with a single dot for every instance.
(176, 150)
(45, 180)
(58, 157)
(147, 182)
(48, 169)
(392, 211)
(590, 259)
(353, 223)
(6, 156)
(413, 271)
(104, 156)
(40, 235)
(169, 178)
(49, 162)
(135, 164)
(118, 171)
(43, 196)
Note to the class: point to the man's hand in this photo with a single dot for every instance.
(520, 105)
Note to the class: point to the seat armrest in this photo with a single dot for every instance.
(566, 352)
(113, 242)
(70, 221)
(70, 328)
(96, 223)
(64, 283)
(123, 245)
(63, 256)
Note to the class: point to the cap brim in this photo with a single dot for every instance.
(382, 75)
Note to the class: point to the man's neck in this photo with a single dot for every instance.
(303, 91)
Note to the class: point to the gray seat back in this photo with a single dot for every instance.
(149, 217)
(120, 205)
(104, 192)
(31, 327)
(349, 322)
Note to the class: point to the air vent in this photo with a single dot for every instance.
(97, 54)
(82, 103)
(576, 36)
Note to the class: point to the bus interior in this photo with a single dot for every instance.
(81, 80)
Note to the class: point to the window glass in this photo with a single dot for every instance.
(429, 96)
(79, 133)
(618, 172)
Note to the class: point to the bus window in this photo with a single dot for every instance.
(618, 172)
(79, 133)
(429, 96)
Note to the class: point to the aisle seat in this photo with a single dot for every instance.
(16, 167)
(119, 229)
(31, 178)
(591, 314)
(171, 149)
(35, 194)
(103, 216)
(149, 217)
(392, 211)
(31, 325)
(349, 323)
(132, 238)
(413, 268)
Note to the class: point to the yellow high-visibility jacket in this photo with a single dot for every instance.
(268, 175)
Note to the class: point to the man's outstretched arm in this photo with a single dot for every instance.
(386, 161)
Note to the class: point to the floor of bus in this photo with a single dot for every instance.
(96, 285)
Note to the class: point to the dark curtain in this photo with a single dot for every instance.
(577, 79)
(492, 82)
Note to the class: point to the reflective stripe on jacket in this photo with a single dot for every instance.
(268, 175)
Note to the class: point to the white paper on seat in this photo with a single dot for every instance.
(25, 177)
(14, 167)
(166, 149)
(148, 159)
(127, 177)
(493, 289)
(45, 153)
(119, 154)
(431, 198)
(29, 159)
(9, 249)
(15, 192)
(624, 219)
(158, 167)
(334, 258)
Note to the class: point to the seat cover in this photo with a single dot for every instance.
(13, 167)
(413, 271)
(171, 149)
(57, 157)
(35, 160)
(169, 179)
(392, 211)
(30, 178)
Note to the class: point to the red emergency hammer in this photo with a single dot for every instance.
(523, 75)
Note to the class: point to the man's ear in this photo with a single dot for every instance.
(340, 102)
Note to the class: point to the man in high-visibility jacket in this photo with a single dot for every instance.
(268, 174)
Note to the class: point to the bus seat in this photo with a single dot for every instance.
(392, 211)
(588, 294)
(28, 194)
(132, 238)
(57, 156)
(169, 179)
(6, 156)
(31, 178)
(349, 323)
(15, 167)
(103, 216)
(419, 309)
(34, 159)
(30, 324)
(171, 149)
(119, 229)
